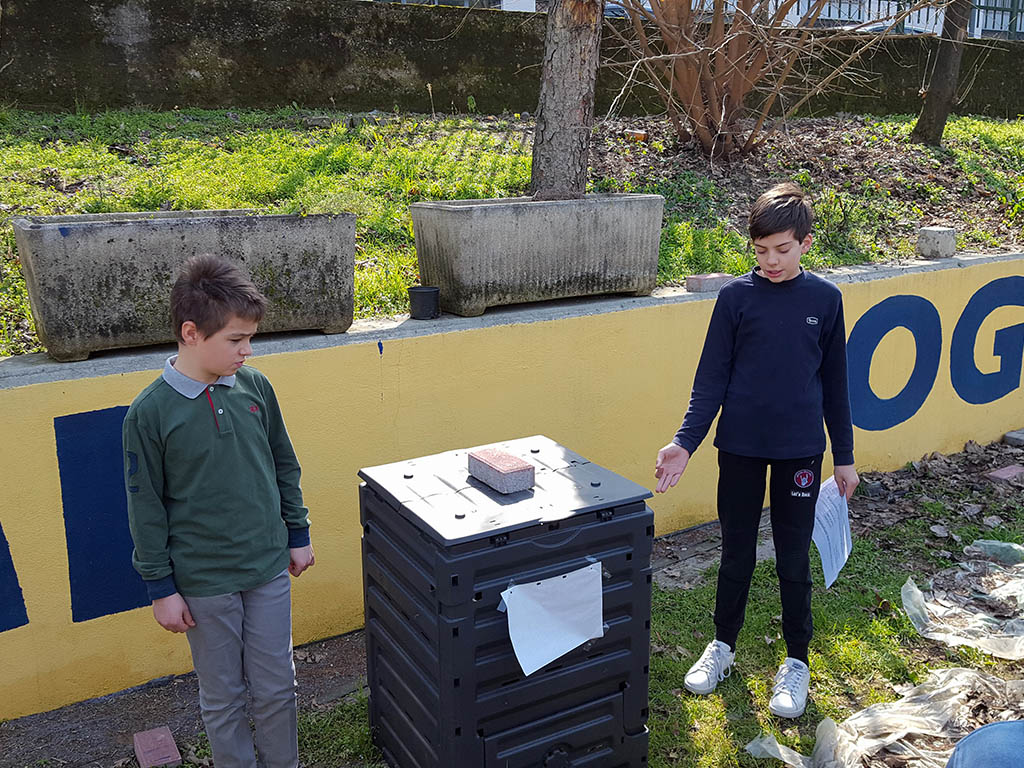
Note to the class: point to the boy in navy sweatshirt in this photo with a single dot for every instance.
(774, 362)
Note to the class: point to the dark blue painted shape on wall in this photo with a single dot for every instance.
(920, 317)
(90, 457)
(12, 604)
(970, 383)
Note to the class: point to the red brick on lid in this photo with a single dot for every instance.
(156, 747)
(502, 471)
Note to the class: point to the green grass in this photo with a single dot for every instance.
(338, 736)
(267, 161)
(857, 651)
(271, 161)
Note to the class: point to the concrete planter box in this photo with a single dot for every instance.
(103, 281)
(485, 253)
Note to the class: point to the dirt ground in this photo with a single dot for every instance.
(98, 733)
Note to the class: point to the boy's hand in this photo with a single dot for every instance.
(301, 559)
(846, 479)
(671, 464)
(172, 613)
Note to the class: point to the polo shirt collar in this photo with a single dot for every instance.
(186, 386)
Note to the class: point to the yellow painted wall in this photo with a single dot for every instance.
(612, 387)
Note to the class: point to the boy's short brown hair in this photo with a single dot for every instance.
(209, 291)
(783, 207)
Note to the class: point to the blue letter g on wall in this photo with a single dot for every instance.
(920, 317)
(970, 383)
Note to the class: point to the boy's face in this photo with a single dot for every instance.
(778, 255)
(221, 353)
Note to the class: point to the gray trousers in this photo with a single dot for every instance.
(246, 638)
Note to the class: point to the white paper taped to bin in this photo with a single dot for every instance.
(549, 618)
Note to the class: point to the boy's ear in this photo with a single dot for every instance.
(190, 333)
(805, 244)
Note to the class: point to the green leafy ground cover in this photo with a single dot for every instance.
(872, 189)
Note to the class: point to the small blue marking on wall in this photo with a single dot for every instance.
(90, 457)
(12, 604)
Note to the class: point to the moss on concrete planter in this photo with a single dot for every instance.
(102, 281)
(485, 253)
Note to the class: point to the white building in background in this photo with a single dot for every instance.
(991, 18)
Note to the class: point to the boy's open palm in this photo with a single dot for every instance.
(301, 559)
(671, 464)
(172, 613)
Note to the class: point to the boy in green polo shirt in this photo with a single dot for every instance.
(216, 514)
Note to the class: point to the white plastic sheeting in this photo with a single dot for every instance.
(979, 603)
(944, 707)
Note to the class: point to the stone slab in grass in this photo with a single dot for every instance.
(1005, 474)
(707, 283)
(1015, 438)
(936, 242)
(156, 747)
(103, 281)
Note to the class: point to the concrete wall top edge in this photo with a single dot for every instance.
(26, 370)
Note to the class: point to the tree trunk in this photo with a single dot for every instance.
(941, 93)
(561, 141)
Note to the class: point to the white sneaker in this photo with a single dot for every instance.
(789, 695)
(713, 666)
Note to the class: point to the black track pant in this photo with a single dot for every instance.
(793, 493)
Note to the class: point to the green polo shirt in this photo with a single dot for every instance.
(214, 500)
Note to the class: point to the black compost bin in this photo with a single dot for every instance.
(439, 547)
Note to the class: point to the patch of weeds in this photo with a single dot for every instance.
(341, 733)
(692, 197)
(687, 249)
(17, 328)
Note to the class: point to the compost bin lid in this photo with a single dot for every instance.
(439, 496)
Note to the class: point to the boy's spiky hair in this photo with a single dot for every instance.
(783, 207)
(209, 291)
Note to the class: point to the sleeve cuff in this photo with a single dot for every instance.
(842, 459)
(684, 446)
(298, 537)
(158, 588)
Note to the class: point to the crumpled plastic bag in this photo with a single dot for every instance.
(942, 707)
(979, 603)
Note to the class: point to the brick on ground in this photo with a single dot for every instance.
(1006, 474)
(501, 470)
(706, 283)
(156, 748)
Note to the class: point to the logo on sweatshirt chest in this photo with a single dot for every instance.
(811, 320)
(253, 408)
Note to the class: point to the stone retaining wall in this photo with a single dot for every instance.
(352, 55)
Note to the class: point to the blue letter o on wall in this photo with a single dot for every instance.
(918, 316)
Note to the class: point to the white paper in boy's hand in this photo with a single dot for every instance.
(832, 530)
(547, 619)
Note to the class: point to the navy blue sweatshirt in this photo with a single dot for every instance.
(774, 361)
